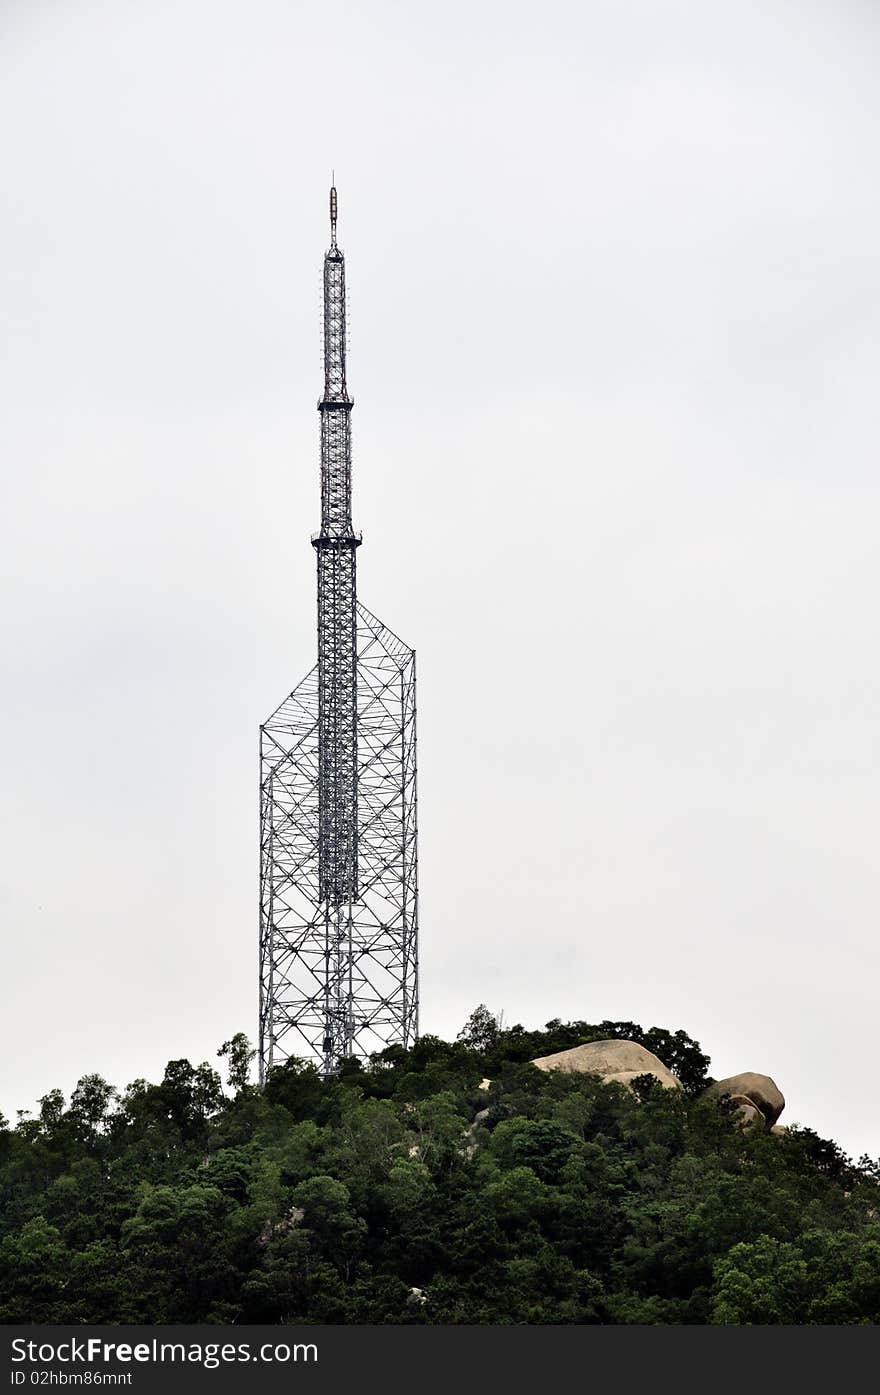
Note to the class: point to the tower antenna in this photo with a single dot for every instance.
(338, 855)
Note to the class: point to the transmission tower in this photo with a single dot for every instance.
(338, 861)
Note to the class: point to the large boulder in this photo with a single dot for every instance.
(750, 1116)
(612, 1060)
(763, 1092)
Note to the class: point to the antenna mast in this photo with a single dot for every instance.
(338, 858)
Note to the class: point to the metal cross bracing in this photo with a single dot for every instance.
(338, 856)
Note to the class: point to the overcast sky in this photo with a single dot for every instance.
(615, 322)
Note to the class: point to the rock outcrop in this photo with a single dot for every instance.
(750, 1116)
(611, 1060)
(757, 1099)
(758, 1090)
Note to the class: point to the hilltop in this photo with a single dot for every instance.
(450, 1183)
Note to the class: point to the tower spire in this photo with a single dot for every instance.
(336, 546)
(333, 209)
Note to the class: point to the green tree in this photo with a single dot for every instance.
(90, 1105)
(481, 1030)
(765, 1282)
(239, 1054)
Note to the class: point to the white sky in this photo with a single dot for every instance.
(615, 316)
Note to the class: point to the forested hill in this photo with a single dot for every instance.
(380, 1197)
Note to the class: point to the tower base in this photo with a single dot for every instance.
(341, 979)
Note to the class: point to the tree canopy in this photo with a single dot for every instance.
(401, 1192)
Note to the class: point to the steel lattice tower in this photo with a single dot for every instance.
(338, 861)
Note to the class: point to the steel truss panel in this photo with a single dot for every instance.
(340, 978)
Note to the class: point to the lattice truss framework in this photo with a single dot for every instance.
(338, 870)
(341, 979)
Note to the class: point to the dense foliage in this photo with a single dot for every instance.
(403, 1193)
